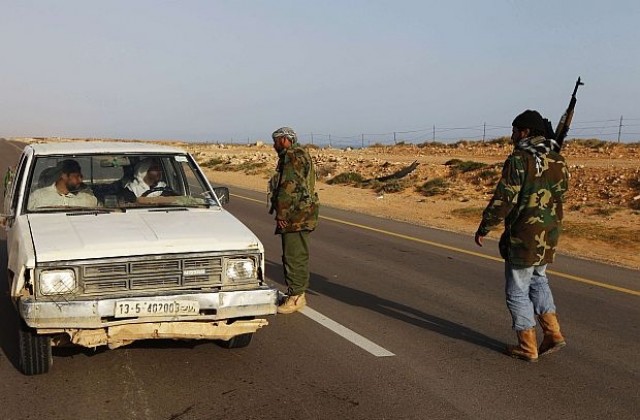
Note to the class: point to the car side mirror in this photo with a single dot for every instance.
(223, 194)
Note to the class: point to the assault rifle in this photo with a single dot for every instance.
(565, 121)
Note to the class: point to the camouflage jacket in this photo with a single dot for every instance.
(293, 196)
(528, 199)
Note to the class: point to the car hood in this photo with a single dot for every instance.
(58, 236)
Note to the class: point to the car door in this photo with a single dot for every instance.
(19, 245)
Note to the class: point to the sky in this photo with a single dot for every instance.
(357, 71)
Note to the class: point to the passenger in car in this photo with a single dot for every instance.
(67, 190)
(147, 176)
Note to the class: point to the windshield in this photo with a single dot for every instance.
(115, 182)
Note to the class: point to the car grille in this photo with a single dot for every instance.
(144, 274)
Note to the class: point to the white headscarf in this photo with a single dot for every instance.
(137, 185)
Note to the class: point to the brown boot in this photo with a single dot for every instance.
(553, 339)
(527, 346)
(292, 304)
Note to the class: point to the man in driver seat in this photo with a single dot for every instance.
(67, 190)
(146, 182)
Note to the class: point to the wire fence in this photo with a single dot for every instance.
(625, 130)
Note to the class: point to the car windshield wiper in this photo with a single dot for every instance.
(192, 205)
(95, 210)
(73, 209)
(170, 208)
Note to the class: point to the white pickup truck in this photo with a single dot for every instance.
(96, 260)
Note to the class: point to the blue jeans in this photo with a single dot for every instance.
(528, 294)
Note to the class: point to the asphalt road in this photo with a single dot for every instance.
(404, 322)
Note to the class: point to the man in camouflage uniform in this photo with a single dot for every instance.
(528, 199)
(295, 203)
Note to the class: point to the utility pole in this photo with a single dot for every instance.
(329, 140)
(620, 129)
(362, 140)
(434, 133)
(394, 137)
(484, 131)
(311, 138)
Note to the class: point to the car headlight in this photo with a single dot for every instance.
(241, 269)
(57, 282)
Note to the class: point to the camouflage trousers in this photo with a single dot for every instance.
(295, 261)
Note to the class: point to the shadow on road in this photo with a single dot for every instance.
(354, 297)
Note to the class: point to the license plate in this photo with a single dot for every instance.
(141, 308)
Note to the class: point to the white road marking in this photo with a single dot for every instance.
(346, 333)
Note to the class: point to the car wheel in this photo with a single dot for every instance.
(35, 352)
(237, 342)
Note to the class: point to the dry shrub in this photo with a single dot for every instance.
(349, 178)
(453, 162)
(464, 165)
(436, 186)
(393, 186)
(324, 171)
(431, 144)
(213, 162)
(486, 177)
(250, 168)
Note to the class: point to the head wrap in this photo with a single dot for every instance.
(530, 119)
(141, 168)
(138, 186)
(285, 132)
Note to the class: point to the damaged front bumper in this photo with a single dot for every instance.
(93, 321)
(122, 335)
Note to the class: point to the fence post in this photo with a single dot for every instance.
(620, 129)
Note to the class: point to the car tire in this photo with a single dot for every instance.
(35, 352)
(237, 342)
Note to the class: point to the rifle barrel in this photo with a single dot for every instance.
(575, 89)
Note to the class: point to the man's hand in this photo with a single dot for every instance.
(282, 223)
(479, 239)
